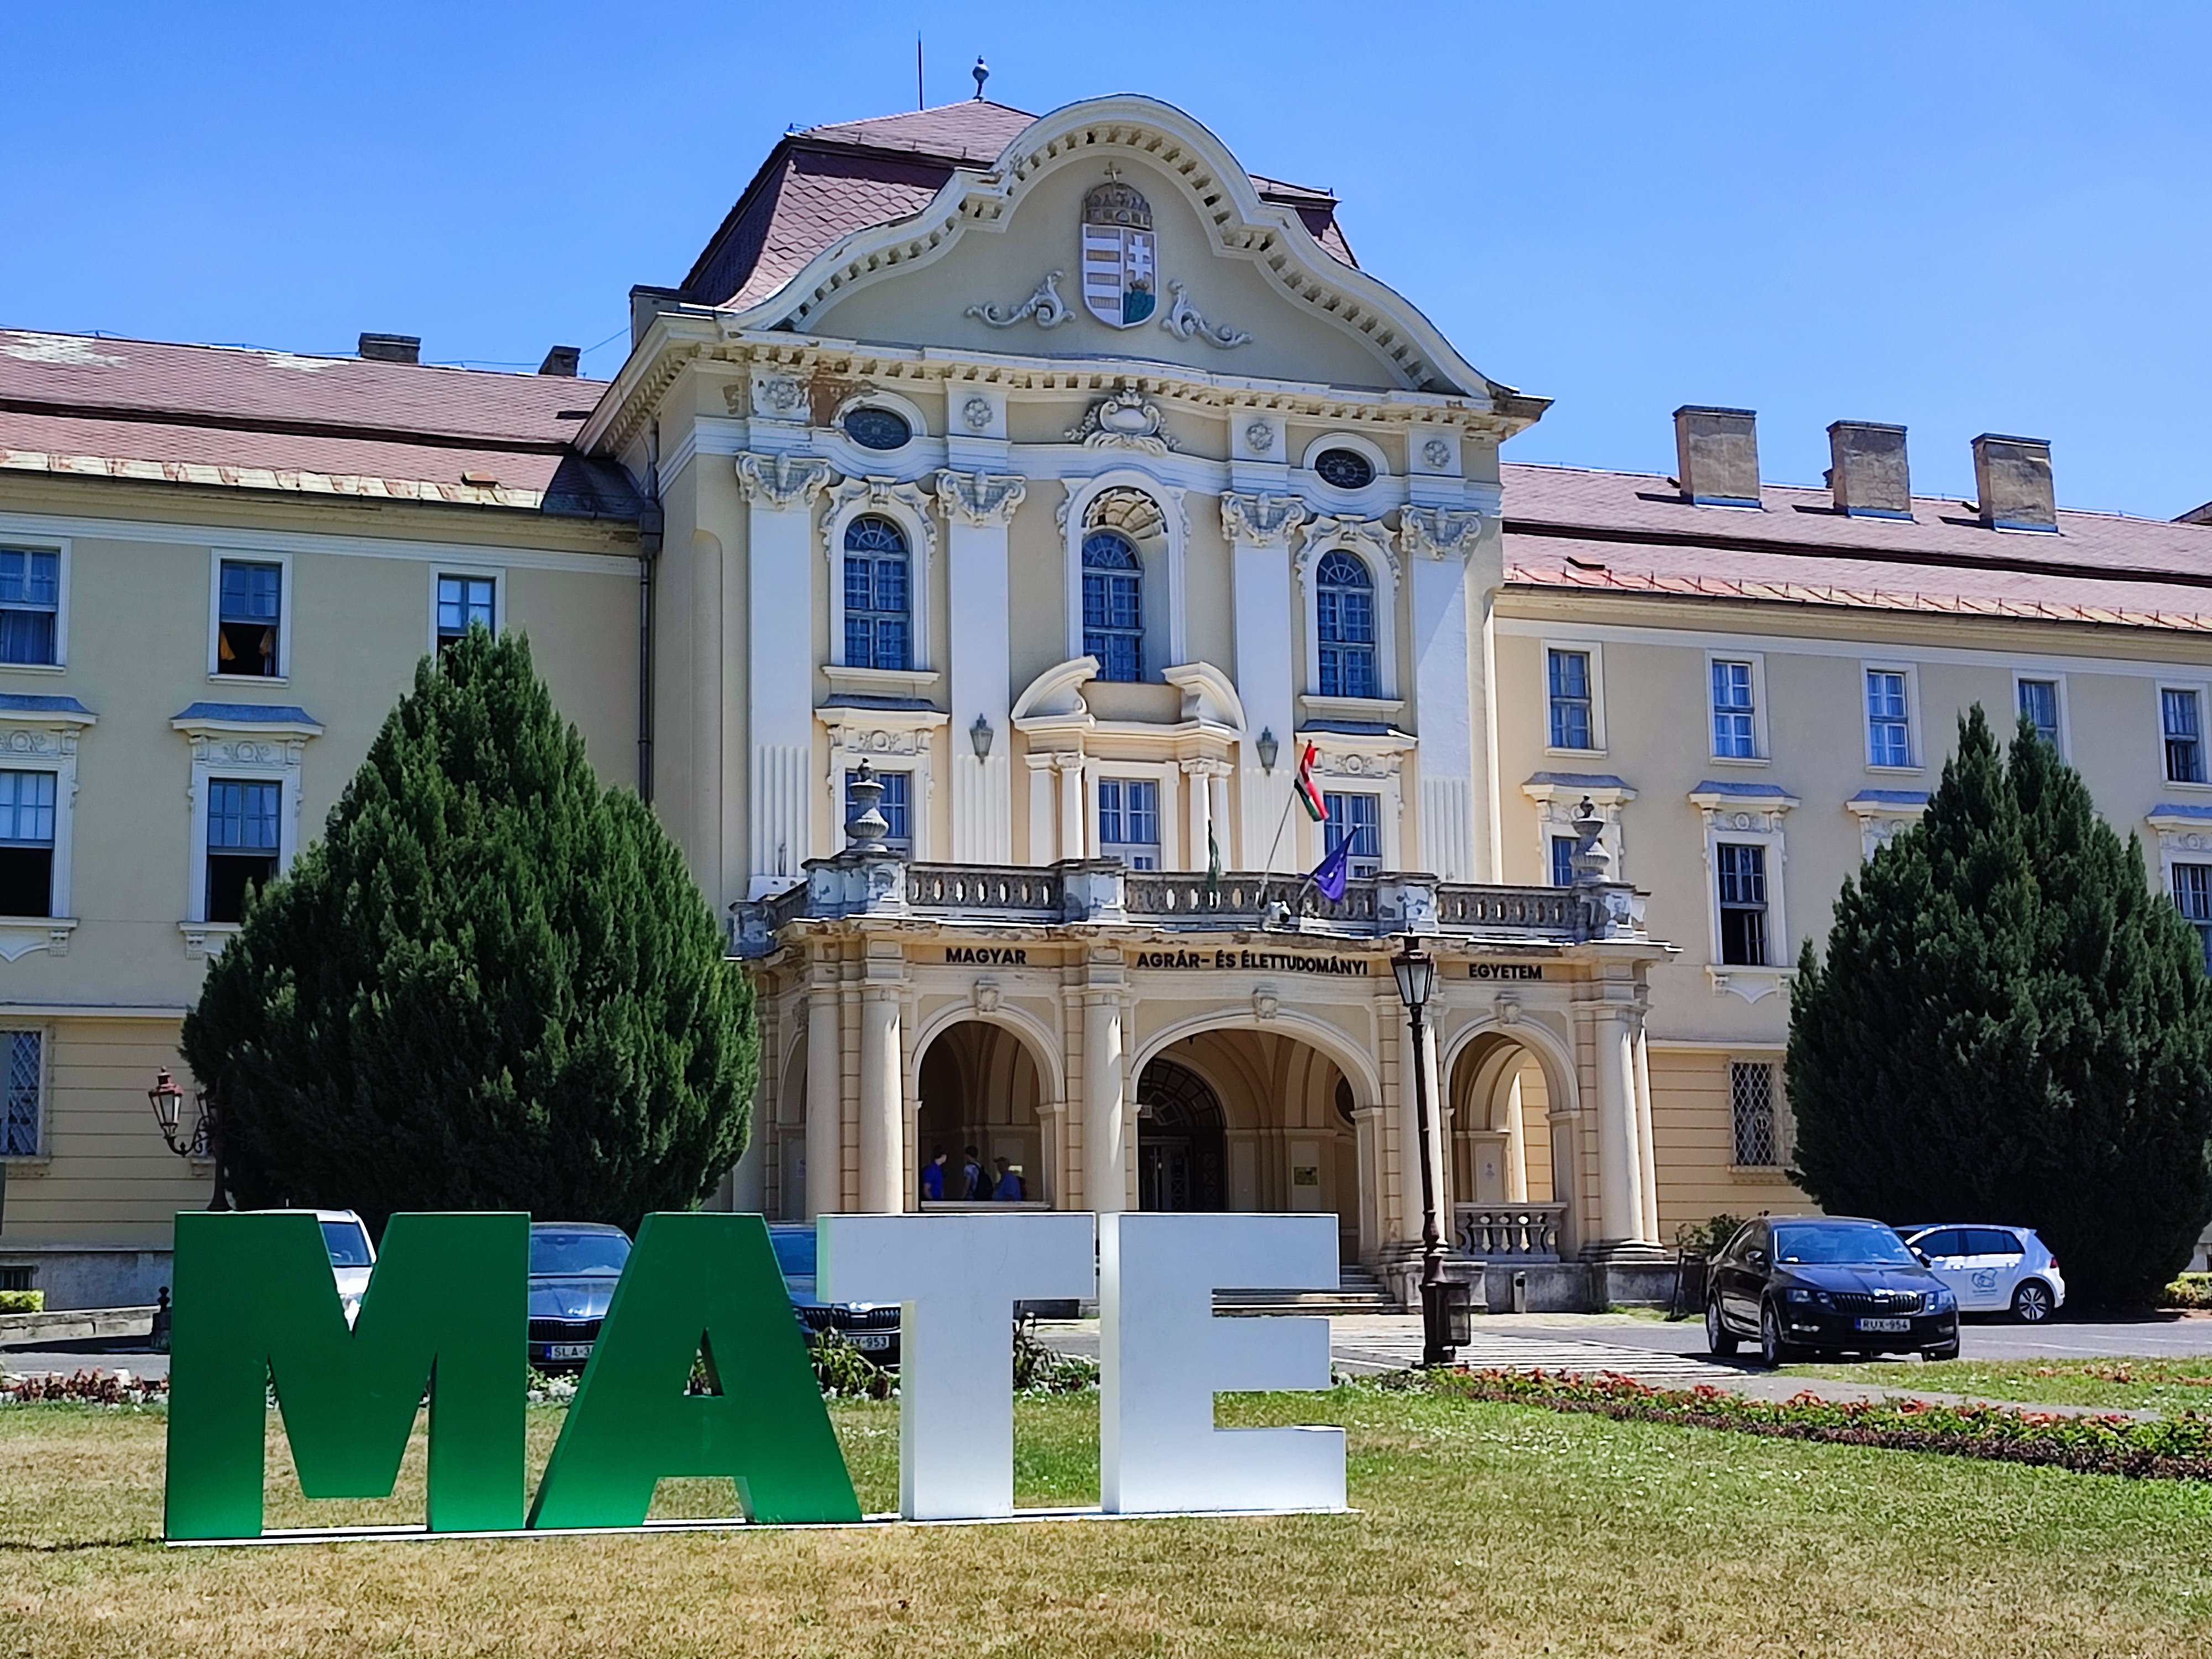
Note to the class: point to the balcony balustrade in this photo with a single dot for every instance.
(1509, 1232)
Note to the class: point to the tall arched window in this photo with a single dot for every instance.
(876, 607)
(1344, 602)
(1113, 605)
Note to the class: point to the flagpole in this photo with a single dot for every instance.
(1268, 869)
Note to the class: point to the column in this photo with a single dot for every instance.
(1436, 541)
(780, 491)
(1044, 811)
(1074, 809)
(1645, 1141)
(1258, 528)
(1198, 800)
(825, 1151)
(1105, 1178)
(1216, 791)
(883, 1104)
(1517, 1145)
(1619, 1162)
(978, 509)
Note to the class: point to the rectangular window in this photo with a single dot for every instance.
(876, 612)
(27, 843)
(1742, 871)
(1563, 860)
(241, 843)
(1359, 819)
(894, 804)
(1889, 727)
(30, 605)
(1568, 676)
(19, 1279)
(249, 606)
(2181, 714)
(463, 600)
(1751, 1104)
(2038, 702)
(1733, 736)
(1129, 822)
(1113, 624)
(19, 1118)
(2192, 897)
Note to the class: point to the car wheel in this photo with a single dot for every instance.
(1771, 1348)
(2031, 1304)
(1720, 1340)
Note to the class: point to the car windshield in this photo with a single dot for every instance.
(348, 1243)
(557, 1251)
(794, 1251)
(1856, 1244)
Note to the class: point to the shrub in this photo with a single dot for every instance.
(23, 1301)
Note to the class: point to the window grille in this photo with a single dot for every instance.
(1358, 819)
(1741, 870)
(893, 804)
(19, 1279)
(19, 1119)
(462, 600)
(1733, 736)
(2182, 717)
(1751, 1105)
(1889, 732)
(1129, 822)
(878, 607)
(251, 602)
(1113, 605)
(1569, 674)
(2192, 897)
(30, 603)
(2038, 701)
(1343, 607)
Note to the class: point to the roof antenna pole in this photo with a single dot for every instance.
(982, 73)
(919, 102)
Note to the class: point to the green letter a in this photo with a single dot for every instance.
(695, 1280)
(447, 1304)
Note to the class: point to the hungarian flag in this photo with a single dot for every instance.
(1309, 796)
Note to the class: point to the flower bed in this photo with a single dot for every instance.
(84, 1388)
(2169, 1449)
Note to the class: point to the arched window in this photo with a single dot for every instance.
(1113, 605)
(877, 608)
(1344, 602)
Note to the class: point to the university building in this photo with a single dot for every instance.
(975, 545)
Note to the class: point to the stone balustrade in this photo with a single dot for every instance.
(1509, 1232)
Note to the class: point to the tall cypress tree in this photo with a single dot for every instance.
(2011, 1025)
(492, 984)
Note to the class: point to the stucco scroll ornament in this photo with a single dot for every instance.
(782, 481)
(779, 397)
(980, 498)
(880, 493)
(1437, 531)
(1044, 307)
(1366, 537)
(986, 995)
(1124, 419)
(1260, 520)
(1184, 322)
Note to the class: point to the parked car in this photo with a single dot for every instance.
(871, 1326)
(574, 1266)
(1794, 1283)
(1992, 1269)
(353, 1257)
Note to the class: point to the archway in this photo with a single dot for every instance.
(980, 1088)
(1180, 1151)
(1502, 1151)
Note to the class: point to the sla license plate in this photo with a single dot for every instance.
(569, 1351)
(1890, 1325)
(873, 1341)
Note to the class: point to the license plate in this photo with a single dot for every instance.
(569, 1351)
(1890, 1325)
(873, 1341)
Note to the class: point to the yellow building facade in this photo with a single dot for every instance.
(973, 552)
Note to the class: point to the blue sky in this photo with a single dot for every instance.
(1968, 217)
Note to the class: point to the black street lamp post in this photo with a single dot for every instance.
(202, 1139)
(1416, 972)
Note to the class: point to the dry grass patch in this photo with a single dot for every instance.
(1484, 1528)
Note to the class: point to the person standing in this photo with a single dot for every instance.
(1009, 1189)
(933, 1177)
(974, 1185)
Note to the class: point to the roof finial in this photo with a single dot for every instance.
(982, 73)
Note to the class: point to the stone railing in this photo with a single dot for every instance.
(990, 892)
(1509, 1232)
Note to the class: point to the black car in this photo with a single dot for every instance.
(871, 1326)
(1797, 1283)
(574, 1266)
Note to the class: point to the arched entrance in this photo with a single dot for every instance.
(980, 1087)
(1180, 1140)
(1501, 1128)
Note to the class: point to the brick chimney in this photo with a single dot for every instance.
(1716, 455)
(2012, 475)
(392, 347)
(562, 360)
(1866, 470)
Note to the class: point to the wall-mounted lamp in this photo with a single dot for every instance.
(981, 734)
(1268, 748)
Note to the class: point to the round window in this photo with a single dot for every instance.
(1345, 469)
(878, 429)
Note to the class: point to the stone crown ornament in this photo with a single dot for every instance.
(1124, 419)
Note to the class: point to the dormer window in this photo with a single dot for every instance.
(874, 427)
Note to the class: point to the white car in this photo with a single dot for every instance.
(352, 1256)
(1993, 1269)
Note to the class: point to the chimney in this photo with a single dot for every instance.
(1717, 455)
(392, 347)
(562, 360)
(2012, 475)
(1866, 470)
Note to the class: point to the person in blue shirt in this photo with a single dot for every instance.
(933, 1177)
(1009, 1189)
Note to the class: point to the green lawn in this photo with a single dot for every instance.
(2166, 1385)
(1482, 1530)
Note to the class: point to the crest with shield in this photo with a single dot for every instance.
(1121, 285)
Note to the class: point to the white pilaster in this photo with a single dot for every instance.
(883, 1107)
(1437, 543)
(781, 491)
(1105, 1166)
(978, 509)
(1044, 811)
(1619, 1158)
(1258, 528)
(825, 1151)
(1074, 809)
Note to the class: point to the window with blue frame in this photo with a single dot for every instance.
(2192, 897)
(241, 843)
(1344, 608)
(894, 804)
(1563, 860)
(878, 609)
(1741, 870)
(2181, 715)
(2038, 701)
(249, 610)
(1889, 723)
(463, 600)
(30, 605)
(1567, 677)
(27, 843)
(1129, 822)
(1358, 819)
(1734, 734)
(1113, 605)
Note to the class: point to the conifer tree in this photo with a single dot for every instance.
(2011, 1026)
(492, 983)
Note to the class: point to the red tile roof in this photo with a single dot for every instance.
(1634, 532)
(137, 408)
(823, 182)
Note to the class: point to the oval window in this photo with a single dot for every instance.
(878, 429)
(1345, 469)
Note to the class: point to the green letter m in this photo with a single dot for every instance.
(447, 1305)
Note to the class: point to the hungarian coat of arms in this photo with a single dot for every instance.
(1120, 284)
